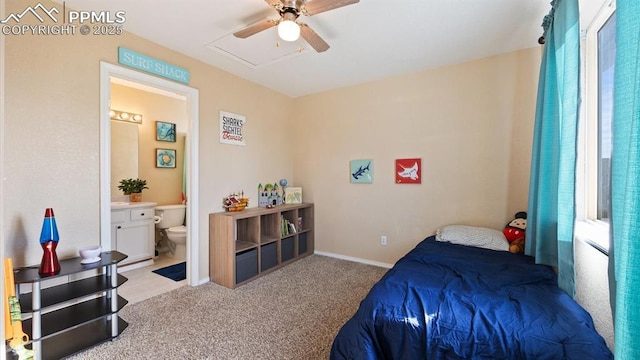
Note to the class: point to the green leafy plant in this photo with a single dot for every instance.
(132, 186)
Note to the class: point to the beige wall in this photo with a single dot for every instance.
(52, 138)
(165, 184)
(472, 126)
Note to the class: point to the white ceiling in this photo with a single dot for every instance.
(370, 40)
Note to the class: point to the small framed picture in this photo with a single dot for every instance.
(293, 195)
(165, 131)
(409, 171)
(165, 158)
(361, 171)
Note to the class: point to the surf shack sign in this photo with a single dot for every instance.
(231, 128)
(152, 66)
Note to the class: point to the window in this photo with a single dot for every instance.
(606, 67)
(594, 158)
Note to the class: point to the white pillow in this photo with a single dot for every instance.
(473, 236)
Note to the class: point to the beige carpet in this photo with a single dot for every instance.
(292, 313)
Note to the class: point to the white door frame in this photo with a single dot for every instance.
(191, 159)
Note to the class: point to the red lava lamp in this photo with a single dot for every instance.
(49, 241)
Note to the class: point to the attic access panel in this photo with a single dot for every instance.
(258, 50)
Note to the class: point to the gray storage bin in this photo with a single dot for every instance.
(302, 243)
(268, 256)
(287, 248)
(246, 265)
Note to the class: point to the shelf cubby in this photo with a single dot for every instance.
(268, 256)
(286, 248)
(247, 233)
(246, 265)
(269, 228)
(303, 246)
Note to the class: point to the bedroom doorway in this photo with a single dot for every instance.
(108, 72)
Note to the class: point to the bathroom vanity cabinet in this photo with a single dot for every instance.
(247, 244)
(72, 310)
(133, 231)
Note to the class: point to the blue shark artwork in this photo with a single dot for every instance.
(362, 171)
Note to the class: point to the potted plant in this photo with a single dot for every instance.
(133, 187)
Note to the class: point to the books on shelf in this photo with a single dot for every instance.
(287, 227)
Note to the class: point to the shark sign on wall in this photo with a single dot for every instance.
(231, 128)
(408, 171)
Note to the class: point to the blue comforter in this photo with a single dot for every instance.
(445, 301)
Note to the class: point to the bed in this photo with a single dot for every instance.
(452, 301)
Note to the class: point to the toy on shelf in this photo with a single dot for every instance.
(268, 196)
(283, 184)
(13, 316)
(235, 202)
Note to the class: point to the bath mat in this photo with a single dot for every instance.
(175, 272)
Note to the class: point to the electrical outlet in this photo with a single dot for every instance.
(383, 240)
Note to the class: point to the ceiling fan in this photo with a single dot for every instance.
(289, 29)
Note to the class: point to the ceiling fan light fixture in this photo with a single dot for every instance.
(288, 30)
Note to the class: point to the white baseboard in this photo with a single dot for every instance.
(135, 265)
(354, 259)
(204, 281)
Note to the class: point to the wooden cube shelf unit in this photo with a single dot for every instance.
(246, 244)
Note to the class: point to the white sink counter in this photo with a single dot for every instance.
(133, 230)
(117, 205)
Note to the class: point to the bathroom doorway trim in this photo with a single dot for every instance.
(107, 71)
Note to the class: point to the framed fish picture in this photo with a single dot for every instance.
(361, 171)
(165, 131)
(408, 171)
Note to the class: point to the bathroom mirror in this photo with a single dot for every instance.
(124, 153)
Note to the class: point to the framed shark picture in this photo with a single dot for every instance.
(361, 171)
(408, 171)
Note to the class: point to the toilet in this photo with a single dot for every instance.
(169, 221)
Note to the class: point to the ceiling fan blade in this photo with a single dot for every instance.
(313, 7)
(273, 3)
(313, 38)
(255, 28)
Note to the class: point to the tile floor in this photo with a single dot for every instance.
(143, 283)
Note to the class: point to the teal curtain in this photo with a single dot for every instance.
(625, 181)
(551, 209)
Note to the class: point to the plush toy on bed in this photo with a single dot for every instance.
(515, 232)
